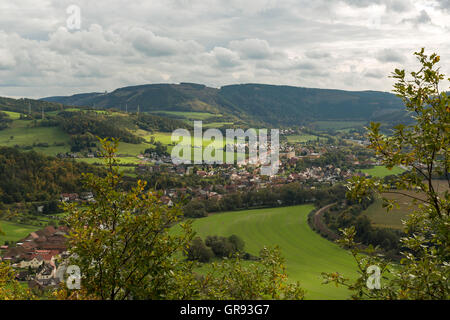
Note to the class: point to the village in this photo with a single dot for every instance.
(37, 256)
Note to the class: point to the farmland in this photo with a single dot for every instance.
(12, 115)
(307, 253)
(14, 231)
(22, 133)
(338, 125)
(393, 219)
(302, 138)
(188, 115)
(381, 171)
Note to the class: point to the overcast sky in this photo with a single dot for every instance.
(349, 44)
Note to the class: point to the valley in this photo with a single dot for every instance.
(316, 161)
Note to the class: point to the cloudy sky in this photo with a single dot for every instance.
(348, 44)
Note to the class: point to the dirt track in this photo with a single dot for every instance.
(319, 225)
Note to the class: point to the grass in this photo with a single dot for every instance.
(21, 133)
(393, 219)
(12, 115)
(382, 219)
(337, 125)
(189, 115)
(72, 109)
(14, 231)
(302, 138)
(133, 149)
(307, 254)
(101, 161)
(382, 171)
(216, 124)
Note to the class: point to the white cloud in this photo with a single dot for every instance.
(152, 45)
(225, 57)
(7, 60)
(345, 44)
(252, 48)
(390, 55)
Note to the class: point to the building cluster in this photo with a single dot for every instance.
(35, 257)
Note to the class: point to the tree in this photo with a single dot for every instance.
(10, 288)
(121, 242)
(220, 246)
(124, 249)
(195, 209)
(266, 279)
(424, 271)
(199, 251)
(237, 242)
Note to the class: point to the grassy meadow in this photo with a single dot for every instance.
(338, 125)
(299, 138)
(14, 231)
(307, 254)
(382, 171)
(393, 219)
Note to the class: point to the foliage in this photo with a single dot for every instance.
(82, 123)
(225, 247)
(5, 120)
(194, 209)
(10, 289)
(424, 271)
(285, 195)
(199, 251)
(30, 176)
(156, 123)
(307, 254)
(159, 149)
(215, 246)
(124, 249)
(266, 279)
(253, 103)
(385, 238)
(121, 242)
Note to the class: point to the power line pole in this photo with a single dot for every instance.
(43, 113)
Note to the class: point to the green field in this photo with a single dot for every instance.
(216, 124)
(166, 138)
(302, 138)
(12, 115)
(14, 231)
(120, 160)
(23, 134)
(393, 219)
(382, 171)
(133, 149)
(382, 219)
(188, 115)
(337, 125)
(307, 254)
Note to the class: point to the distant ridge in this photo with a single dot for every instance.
(270, 104)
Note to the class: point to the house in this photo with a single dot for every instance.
(34, 263)
(201, 173)
(69, 197)
(167, 201)
(46, 272)
(87, 196)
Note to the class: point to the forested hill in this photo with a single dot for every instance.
(252, 102)
(26, 105)
(30, 176)
(285, 104)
